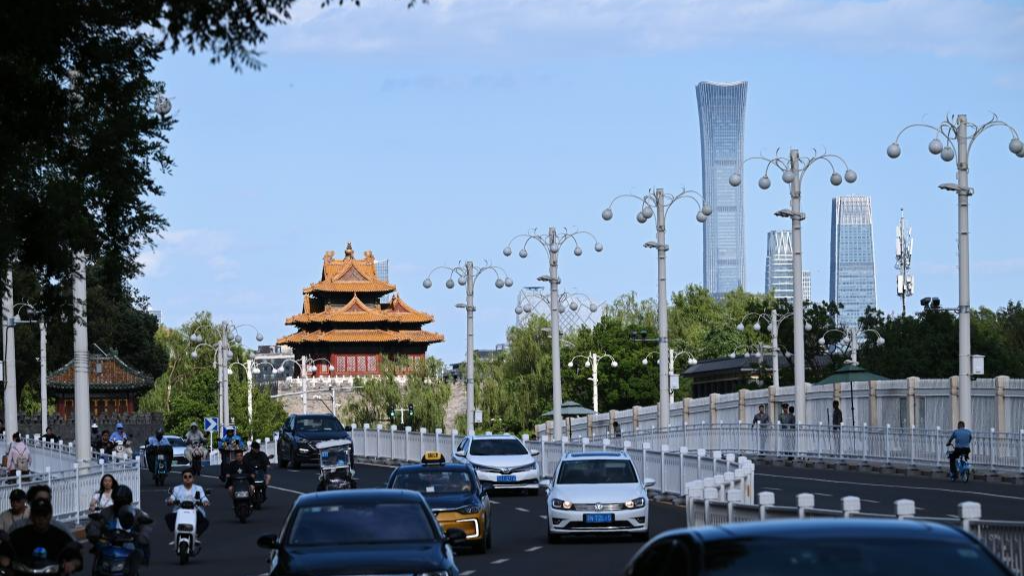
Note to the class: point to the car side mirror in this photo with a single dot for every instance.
(460, 453)
(545, 483)
(648, 482)
(269, 541)
(348, 428)
(454, 536)
(534, 452)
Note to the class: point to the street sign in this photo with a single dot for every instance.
(210, 423)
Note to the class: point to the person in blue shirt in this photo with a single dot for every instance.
(229, 444)
(158, 439)
(119, 434)
(961, 442)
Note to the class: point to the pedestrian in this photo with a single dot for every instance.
(50, 436)
(616, 431)
(782, 415)
(837, 426)
(17, 511)
(19, 458)
(761, 422)
(791, 425)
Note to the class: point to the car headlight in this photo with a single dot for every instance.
(528, 467)
(471, 509)
(561, 504)
(636, 503)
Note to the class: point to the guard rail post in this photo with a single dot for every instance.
(912, 444)
(938, 453)
(663, 483)
(1020, 450)
(732, 497)
(716, 455)
(454, 444)
(969, 512)
(804, 500)
(543, 455)
(992, 449)
(643, 459)
(405, 439)
(851, 506)
(905, 508)
(765, 500)
(700, 456)
(437, 439)
(887, 448)
(866, 441)
(694, 491)
(682, 468)
(376, 454)
(710, 495)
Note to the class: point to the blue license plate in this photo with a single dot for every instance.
(506, 478)
(597, 518)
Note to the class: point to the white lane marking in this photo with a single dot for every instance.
(822, 494)
(953, 516)
(870, 501)
(521, 510)
(495, 502)
(288, 490)
(500, 561)
(468, 572)
(544, 516)
(774, 489)
(920, 488)
(534, 549)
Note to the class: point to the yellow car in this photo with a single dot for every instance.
(454, 494)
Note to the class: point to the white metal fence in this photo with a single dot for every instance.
(671, 468)
(710, 508)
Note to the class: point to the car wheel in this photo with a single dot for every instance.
(295, 462)
(282, 462)
(480, 546)
(554, 538)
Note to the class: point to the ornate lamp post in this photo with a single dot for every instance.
(552, 243)
(467, 275)
(793, 168)
(226, 332)
(250, 367)
(8, 330)
(774, 320)
(592, 360)
(656, 204)
(955, 139)
(851, 340)
(673, 355)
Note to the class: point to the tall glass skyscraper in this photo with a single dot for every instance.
(778, 268)
(852, 269)
(722, 107)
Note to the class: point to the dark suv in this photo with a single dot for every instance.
(297, 441)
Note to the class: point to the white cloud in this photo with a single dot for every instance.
(191, 250)
(988, 28)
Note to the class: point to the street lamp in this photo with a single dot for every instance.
(250, 367)
(793, 169)
(954, 139)
(8, 333)
(467, 275)
(773, 320)
(552, 243)
(592, 360)
(656, 204)
(850, 340)
(226, 332)
(673, 355)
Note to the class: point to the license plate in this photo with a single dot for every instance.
(506, 478)
(241, 494)
(598, 518)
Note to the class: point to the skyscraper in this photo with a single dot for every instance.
(778, 272)
(852, 269)
(721, 107)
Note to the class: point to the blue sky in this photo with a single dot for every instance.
(436, 134)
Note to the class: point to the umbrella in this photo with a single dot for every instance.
(851, 373)
(570, 408)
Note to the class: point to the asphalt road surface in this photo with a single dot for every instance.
(520, 537)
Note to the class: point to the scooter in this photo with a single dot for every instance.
(122, 450)
(115, 552)
(259, 488)
(186, 535)
(196, 453)
(241, 497)
(36, 565)
(335, 466)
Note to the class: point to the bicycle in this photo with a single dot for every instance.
(963, 469)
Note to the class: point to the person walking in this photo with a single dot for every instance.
(19, 457)
(760, 425)
(837, 426)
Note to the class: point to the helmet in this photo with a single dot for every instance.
(194, 426)
(159, 432)
(229, 428)
(95, 426)
(122, 496)
(126, 516)
(119, 426)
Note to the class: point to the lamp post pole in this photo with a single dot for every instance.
(43, 376)
(552, 242)
(793, 168)
(467, 275)
(222, 362)
(773, 327)
(83, 446)
(955, 139)
(10, 366)
(592, 360)
(656, 203)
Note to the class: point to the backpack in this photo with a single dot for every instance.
(21, 460)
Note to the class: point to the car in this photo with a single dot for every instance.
(177, 446)
(453, 492)
(362, 532)
(502, 460)
(838, 547)
(296, 443)
(597, 493)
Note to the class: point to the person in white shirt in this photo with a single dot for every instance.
(105, 496)
(188, 491)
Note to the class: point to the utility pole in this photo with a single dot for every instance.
(83, 446)
(43, 375)
(10, 367)
(904, 248)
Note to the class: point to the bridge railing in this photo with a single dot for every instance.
(671, 469)
(990, 451)
(708, 508)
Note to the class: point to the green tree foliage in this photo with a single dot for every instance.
(514, 388)
(399, 384)
(188, 390)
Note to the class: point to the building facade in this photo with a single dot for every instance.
(722, 108)
(114, 387)
(852, 268)
(355, 320)
(778, 271)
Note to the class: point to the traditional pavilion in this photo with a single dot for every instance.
(114, 386)
(348, 319)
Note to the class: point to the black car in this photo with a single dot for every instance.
(836, 547)
(296, 443)
(362, 532)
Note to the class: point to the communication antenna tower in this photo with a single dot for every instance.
(904, 250)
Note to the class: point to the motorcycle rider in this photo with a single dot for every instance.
(194, 435)
(119, 434)
(236, 467)
(256, 459)
(157, 444)
(39, 533)
(229, 443)
(122, 500)
(186, 491)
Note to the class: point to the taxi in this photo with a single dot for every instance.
(454, 494)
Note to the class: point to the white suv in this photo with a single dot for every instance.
(502, 460)
(597, 492)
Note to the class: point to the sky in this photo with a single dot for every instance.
(434, 135)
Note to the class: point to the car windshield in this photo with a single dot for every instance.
(362, 523)
(434, 481)
(497, 447)
(176, 441)
(318, 425)
(593, 471)
(849, 557)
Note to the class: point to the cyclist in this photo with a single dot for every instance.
(961, 441)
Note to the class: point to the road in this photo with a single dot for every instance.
(520, 536)
(520, 540)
